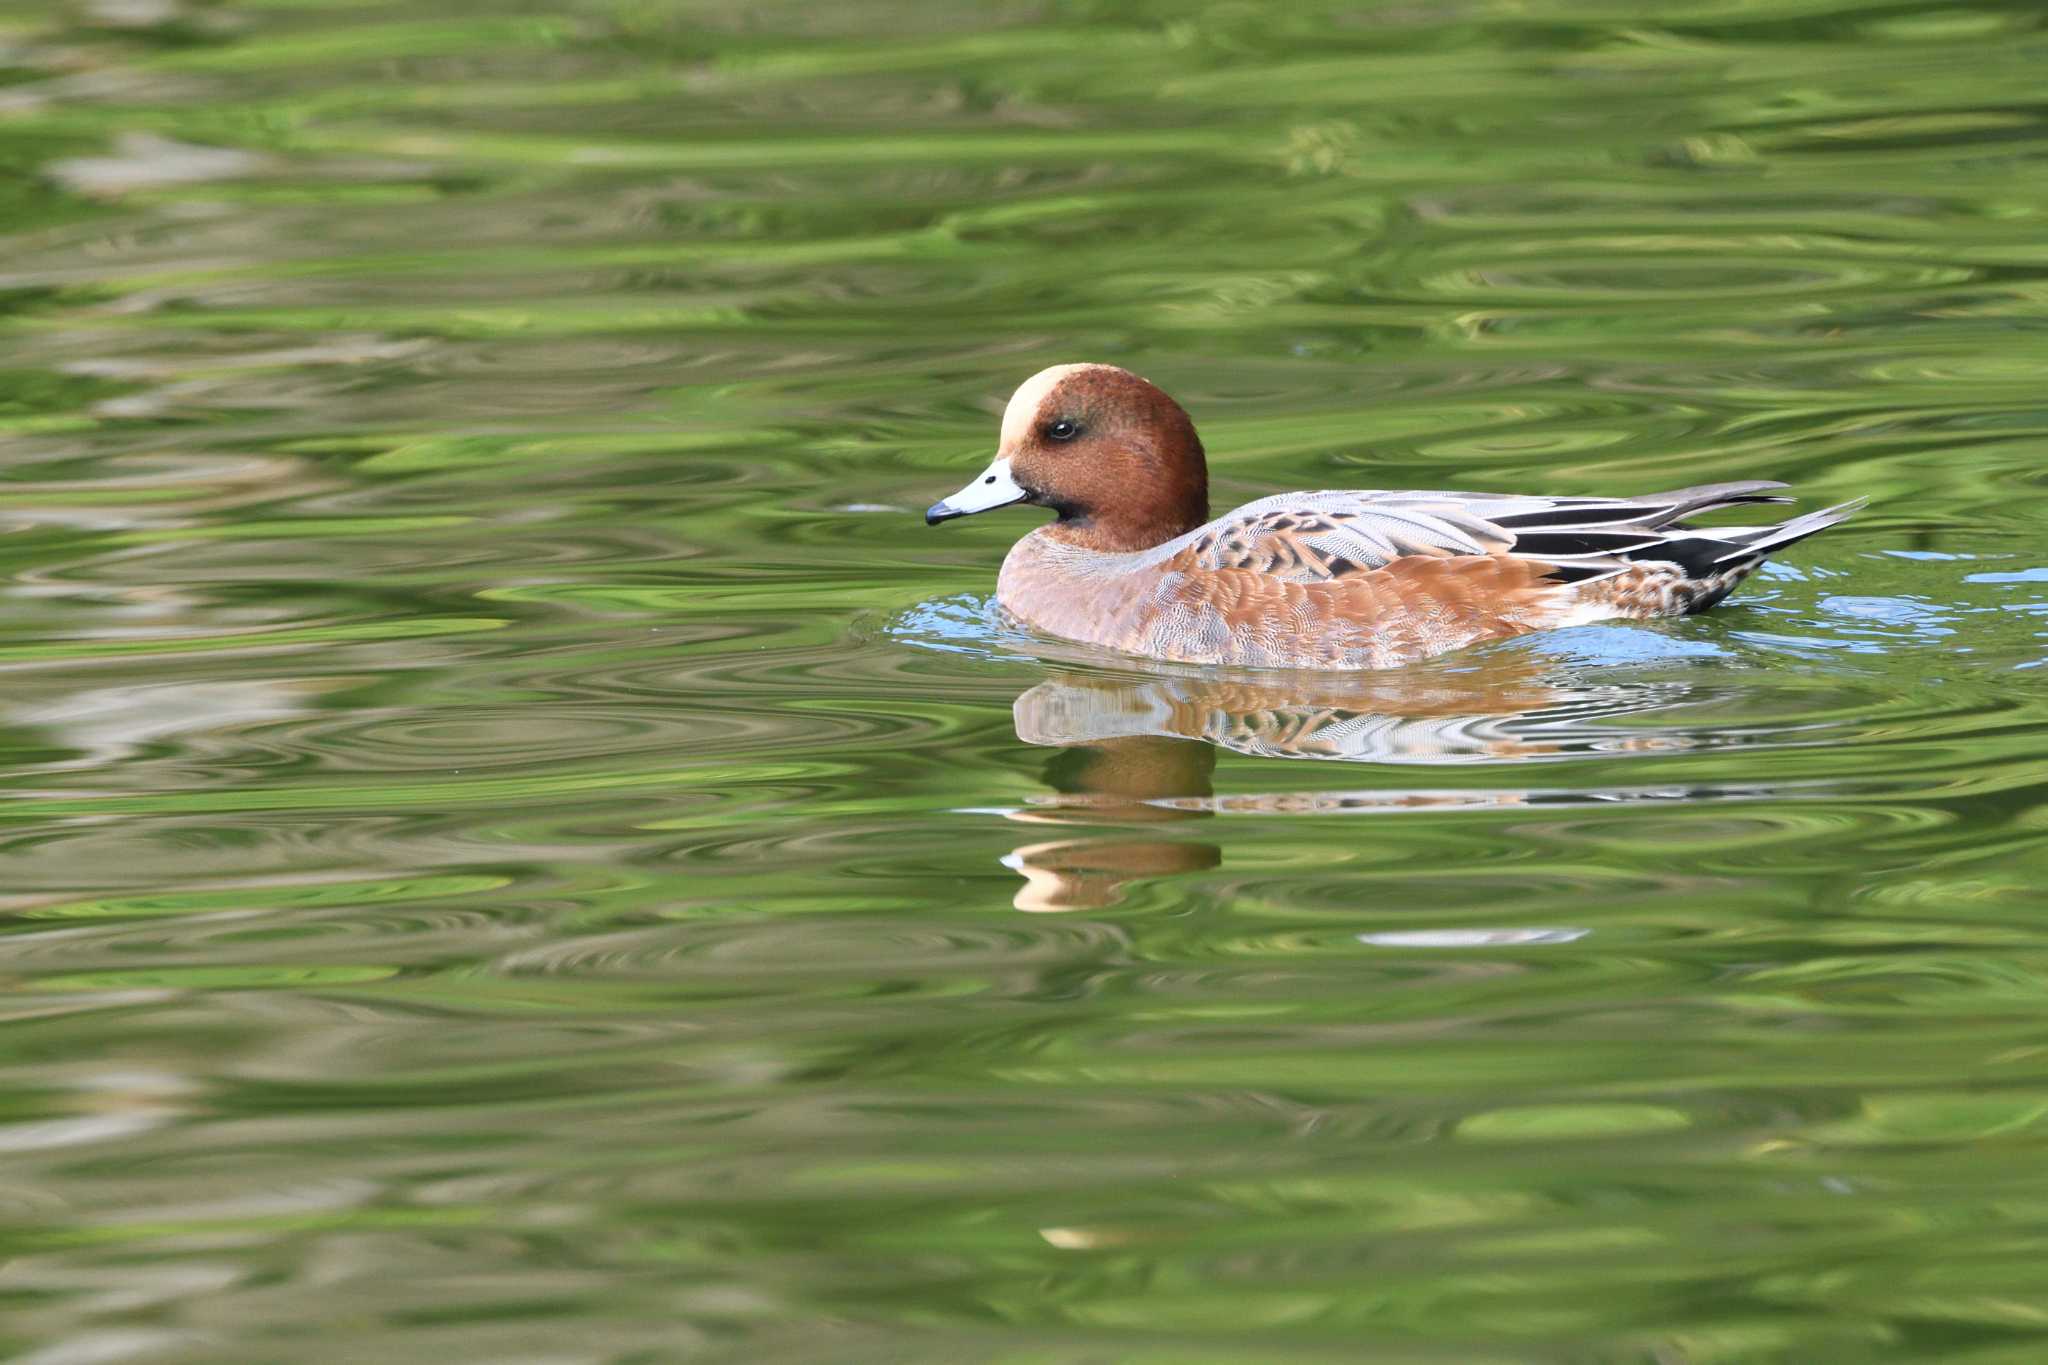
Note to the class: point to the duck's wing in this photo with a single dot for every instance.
(1316, 537)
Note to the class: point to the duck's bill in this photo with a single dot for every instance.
(995, 488)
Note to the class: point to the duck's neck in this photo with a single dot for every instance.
(1131, 529)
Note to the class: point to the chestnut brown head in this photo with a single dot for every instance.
(1115, 457)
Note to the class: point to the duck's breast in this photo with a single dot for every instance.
(1078, 594)
(1162, 604)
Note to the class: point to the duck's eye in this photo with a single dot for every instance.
(1062, 430)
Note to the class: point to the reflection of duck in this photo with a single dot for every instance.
(1118, 779)
(1090, 874)
(1142, 750)
(1502, 711)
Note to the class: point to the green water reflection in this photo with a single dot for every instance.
(513, 837)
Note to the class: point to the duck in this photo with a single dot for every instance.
(1325, 580)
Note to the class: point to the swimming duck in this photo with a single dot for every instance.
(1328, 579)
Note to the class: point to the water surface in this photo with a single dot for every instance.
(519, 847)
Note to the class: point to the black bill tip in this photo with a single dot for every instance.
(940, 511)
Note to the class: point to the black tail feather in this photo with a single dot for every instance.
(1718, 553)
(1762, 543)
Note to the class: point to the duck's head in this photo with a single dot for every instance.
(1116, 458)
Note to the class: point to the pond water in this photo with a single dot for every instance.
(519, 846)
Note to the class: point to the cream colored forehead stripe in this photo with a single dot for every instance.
(1025, 402)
